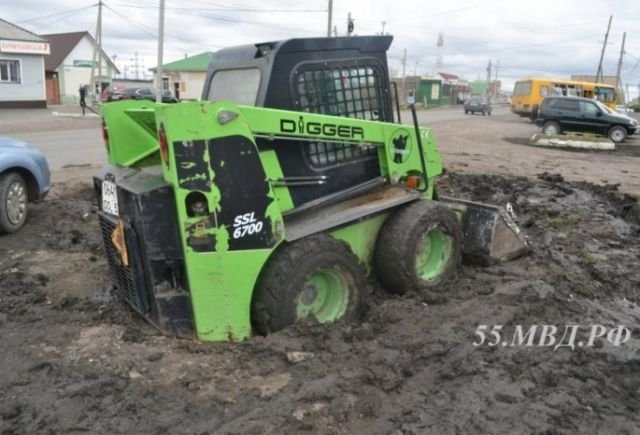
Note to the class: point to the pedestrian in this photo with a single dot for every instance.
(83, 94)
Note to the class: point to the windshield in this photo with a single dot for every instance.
(602, 107)
(606, 95)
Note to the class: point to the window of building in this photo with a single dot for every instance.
(9, 71)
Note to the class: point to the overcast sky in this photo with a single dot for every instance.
(539, 37)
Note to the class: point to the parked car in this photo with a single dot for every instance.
(112, 93)
(24, 177)
(621, 108)
(559, 114)
(477, 104)
(147, 94)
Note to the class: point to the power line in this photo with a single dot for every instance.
(221, 8)
(56, 14)
(76, 12)
(224, 10)
(246, 22)
(202, 13)
(152, 32)
(244, 9)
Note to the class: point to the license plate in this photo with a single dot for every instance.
(110, 198)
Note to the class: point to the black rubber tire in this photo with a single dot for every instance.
(483, 113)
(615, 129)
(397, 244)
(551, 124)
(273, 305)
(6, 180)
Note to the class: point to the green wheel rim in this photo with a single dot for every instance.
(433, 253)
(325, 295)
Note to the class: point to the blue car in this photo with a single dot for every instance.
(24, 177)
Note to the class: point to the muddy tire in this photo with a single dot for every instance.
(316, 277)
(617, 134)
(551, 128)
(419, 248)
(13, 202)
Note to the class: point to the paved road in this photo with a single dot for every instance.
(68, 147)
(426, 117)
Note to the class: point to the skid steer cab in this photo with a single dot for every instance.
(273, 198)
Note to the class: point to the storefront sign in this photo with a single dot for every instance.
(24, 47)
(84, 63)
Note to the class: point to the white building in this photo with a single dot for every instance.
(69, 65)
(185, 77)
(22, 82)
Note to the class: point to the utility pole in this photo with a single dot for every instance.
(618, 84)
(489, 79)
(160, 48)
(384, 23)
(599, 74)
(335, 31)
(136, 65)
(97, 48)
(99, 93)
(440, 56)
(495, 83)
(330, 13)
(404, 76)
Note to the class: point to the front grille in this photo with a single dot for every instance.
(129, 285)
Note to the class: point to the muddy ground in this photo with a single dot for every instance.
(75, 359)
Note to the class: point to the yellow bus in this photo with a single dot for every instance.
(529, 92)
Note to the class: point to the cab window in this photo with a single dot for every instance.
(339, 88)
(237, 85)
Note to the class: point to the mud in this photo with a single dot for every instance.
(76, 360)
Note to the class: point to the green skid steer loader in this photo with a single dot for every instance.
(274, 197)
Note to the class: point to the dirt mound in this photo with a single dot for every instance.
(76, 360)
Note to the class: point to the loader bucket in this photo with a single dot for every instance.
(489, 233)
